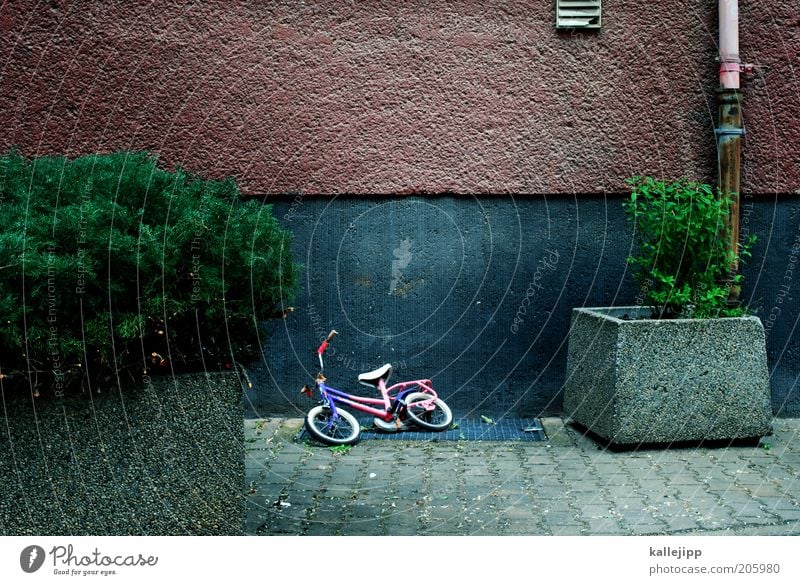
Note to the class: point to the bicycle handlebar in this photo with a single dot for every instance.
(321, 349)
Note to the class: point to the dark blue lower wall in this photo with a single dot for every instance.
(476, 294)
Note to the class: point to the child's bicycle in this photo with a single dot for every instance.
(402, 406)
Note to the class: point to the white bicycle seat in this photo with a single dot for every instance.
(373, 378)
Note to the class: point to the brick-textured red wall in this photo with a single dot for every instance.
(396, 96)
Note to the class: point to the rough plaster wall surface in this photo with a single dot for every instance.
(398, 97)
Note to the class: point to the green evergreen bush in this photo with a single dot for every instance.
(110, 265)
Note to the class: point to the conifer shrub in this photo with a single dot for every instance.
(112, 267)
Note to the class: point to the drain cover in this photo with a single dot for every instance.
(466, 429)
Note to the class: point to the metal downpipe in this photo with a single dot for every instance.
(730, 128)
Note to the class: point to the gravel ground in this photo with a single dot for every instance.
(167, 459)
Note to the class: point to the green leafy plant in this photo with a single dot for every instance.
(110, 264)
(683, 265)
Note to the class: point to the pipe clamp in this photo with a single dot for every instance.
(729, 132)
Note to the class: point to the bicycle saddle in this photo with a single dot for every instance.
(372, 378)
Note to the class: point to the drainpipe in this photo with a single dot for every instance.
(730, 129)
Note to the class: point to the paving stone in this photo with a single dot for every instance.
(697, 492)
(751, 510)
(555, 518)
(251, 477)
(314, 486)
(522, 526)
(779, 503)
(473, 472)
(614, 492)
(644, 529)
(655, 484)
(402, 530)
(322, 529)
(582, 488)
(606, 468)
(680, 523)
(266, 490)
(281, 525)
(549, 481)
(503, 488)
(606, 527)
(284, 469)
(524, 510)
(750, 479)
(576, 476)
(408, 493)
(255, 521)
(551, 492)
(787, 514)
(595, 509)
(339, 491)
(716, 521)
(642, 464)
(555, 505)
(582, 500)
(568, 529)
(364, 527)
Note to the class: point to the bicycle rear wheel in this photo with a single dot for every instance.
(439, 418)
(342, 429)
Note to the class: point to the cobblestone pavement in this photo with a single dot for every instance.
(565, 486)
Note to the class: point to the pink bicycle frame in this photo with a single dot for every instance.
(391, 397)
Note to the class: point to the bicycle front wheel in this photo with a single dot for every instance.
(437, 418)
(342, 429)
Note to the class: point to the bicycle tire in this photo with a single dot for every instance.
(345, 429)
(438, 419)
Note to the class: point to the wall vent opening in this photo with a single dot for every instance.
(578, 13)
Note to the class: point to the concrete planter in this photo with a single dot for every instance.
(163, 458)
(634, 380)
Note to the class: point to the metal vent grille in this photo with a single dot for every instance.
(578, 13)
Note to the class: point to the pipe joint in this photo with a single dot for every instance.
(729, 131)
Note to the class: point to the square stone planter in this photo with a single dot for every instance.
(633, 380)
(162, 458)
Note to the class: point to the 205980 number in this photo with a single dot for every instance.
(762, 568)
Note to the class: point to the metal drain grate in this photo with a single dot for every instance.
(467, 429)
